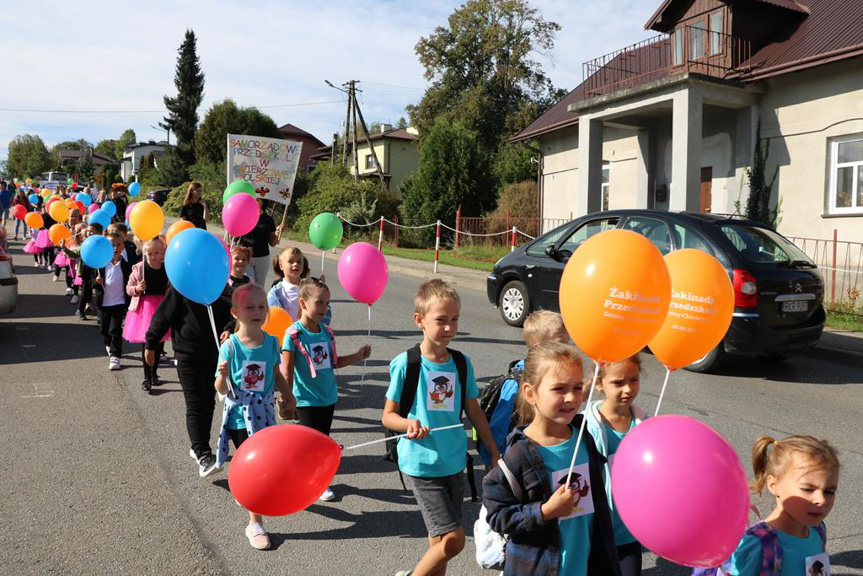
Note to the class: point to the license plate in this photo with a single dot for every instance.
(795, 306)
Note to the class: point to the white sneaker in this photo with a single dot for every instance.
(74, 299)
(327, 496)
(56, 279)
(108, 350)
(113, 363)
(69, 292)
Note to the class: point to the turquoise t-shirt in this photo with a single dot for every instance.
(320, 390)
(746, 560)
(575, 530)
(437, 403)
(252, 369)
(621, 534)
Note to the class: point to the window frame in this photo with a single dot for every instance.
(699, 29)
(714, 34)
(855, 208)
(370, 162)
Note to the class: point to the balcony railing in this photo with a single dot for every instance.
(685, 49)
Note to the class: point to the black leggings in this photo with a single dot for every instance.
(319, 418)
(150, 372)
(196, 379)
(630, 559)
(238, 436)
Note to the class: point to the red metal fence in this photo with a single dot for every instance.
(841, 265)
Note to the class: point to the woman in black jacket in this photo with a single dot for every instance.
(195, 209)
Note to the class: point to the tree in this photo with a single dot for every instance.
(107, 148)
(514, 163)
(28, 156)
(85, 168)
(172, 171)
(227, 118)
(758, 203)
(128, 138)
(402, 123)
(453, 171)
(484, 71)
(182, 116)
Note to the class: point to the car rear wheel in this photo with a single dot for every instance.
(514, 303)
(710, 362)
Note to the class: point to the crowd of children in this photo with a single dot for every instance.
(551, 525)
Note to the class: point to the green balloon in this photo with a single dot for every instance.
(238, 187)
(326, 231)
(70, 181)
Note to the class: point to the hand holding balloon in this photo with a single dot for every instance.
(416, 431)
(559, 505)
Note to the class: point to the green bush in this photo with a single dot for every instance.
(212, 178)
(519, 199)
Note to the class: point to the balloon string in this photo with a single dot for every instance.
(368, 338)
(583, 422)
(216, 336)
(323, 253)
(459, 425)
(662, 393)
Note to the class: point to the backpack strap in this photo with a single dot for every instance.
(298, 347)
(771, 549)
(510, 479)
(411, 382)
(461, 368)
(335, 358)
(822, 531)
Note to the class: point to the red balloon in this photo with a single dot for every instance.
(19, 211)
(283, 469)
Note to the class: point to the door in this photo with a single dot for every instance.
(706, 189)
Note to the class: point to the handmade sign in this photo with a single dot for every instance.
(268, 164)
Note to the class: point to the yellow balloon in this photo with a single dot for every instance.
(46, 192)
(58, 211)
(146, 220)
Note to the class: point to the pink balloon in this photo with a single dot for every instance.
(129, 209)
(681, 490)
(363, 272)
(92, 208)
(240, 214)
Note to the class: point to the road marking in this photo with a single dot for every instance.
(46, 393)
(28, 345)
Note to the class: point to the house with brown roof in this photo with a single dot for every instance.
(310, 146)
(670, 123)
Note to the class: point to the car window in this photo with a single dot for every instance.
(761, 245)
(550, 239)
(585, 231)
(654, 230)
(687, 238)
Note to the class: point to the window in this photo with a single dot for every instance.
(846, 188)
(761, 245)
(689, 239)
(677, 38)
(550, 239)
(606, 173)
(370, 162)
(586, 231)
(697, 34)
(654, 230)
(716, 31)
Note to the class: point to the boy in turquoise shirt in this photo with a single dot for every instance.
(434, 462)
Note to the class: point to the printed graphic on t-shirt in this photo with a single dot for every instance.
(320, 352)
(253, 374)
(818, 565)
(441, 387)
(580, 483)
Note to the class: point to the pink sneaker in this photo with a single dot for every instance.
(257, 536)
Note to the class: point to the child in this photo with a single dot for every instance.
(147, 285)
(33, 247)
(247, 373)
(292, 268)
(553, 528)
(113, 301)
(83, 273)
(434, 463)
(541, 326)
(608, 421)
(130, 251)
(311, 377)
(802, 474)
(240, 257)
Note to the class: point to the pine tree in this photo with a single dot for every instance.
(182, 117)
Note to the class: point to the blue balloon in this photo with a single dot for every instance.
(99, 217)
(197, 265)
(33, 198)
(84, 199)
(134, 188)
(110, 208)
(97, 251)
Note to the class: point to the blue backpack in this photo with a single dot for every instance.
(497, 401)
(771, 551)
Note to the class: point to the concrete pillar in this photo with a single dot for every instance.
(747, 125)
(687, 119)
(589, 197)
(642, 184)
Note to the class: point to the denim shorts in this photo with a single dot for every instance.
(439, 499)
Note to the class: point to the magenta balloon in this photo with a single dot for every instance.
(129, 209)
(240, 214)
(363, 272)
(681, 490)
(92, 208)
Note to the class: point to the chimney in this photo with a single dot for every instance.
(386, 128)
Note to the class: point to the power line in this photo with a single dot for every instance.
(162, 111)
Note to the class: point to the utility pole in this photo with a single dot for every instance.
(353, 97)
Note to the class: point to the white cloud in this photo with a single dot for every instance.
(121, 56)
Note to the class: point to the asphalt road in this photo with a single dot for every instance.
(98, 480)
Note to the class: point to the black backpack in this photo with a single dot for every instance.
(406, 401)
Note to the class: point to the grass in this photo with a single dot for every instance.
(845, 321)
(474, 257)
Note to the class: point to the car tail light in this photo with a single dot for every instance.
(745, 289)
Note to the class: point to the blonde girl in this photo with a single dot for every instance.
(553, 528)
(195, 209)
(286, 293)
(801, 474)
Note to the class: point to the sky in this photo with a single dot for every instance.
(107, 65)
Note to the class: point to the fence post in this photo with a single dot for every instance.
(512, 248)
(381, 235)
(507, 223)
(339, 216)
(457, 225)
(396, 231)
(833, 272)
(437, 245)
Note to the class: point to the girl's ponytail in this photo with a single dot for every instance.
(760, 461)
(774, 462)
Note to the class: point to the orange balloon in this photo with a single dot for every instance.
(277, 323)
(614, 294)
(34, 220)
(58, 232)
(146, 220)
(58, 211)
(702, 303)
(178, 227)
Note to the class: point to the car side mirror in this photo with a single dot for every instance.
(551, 252)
